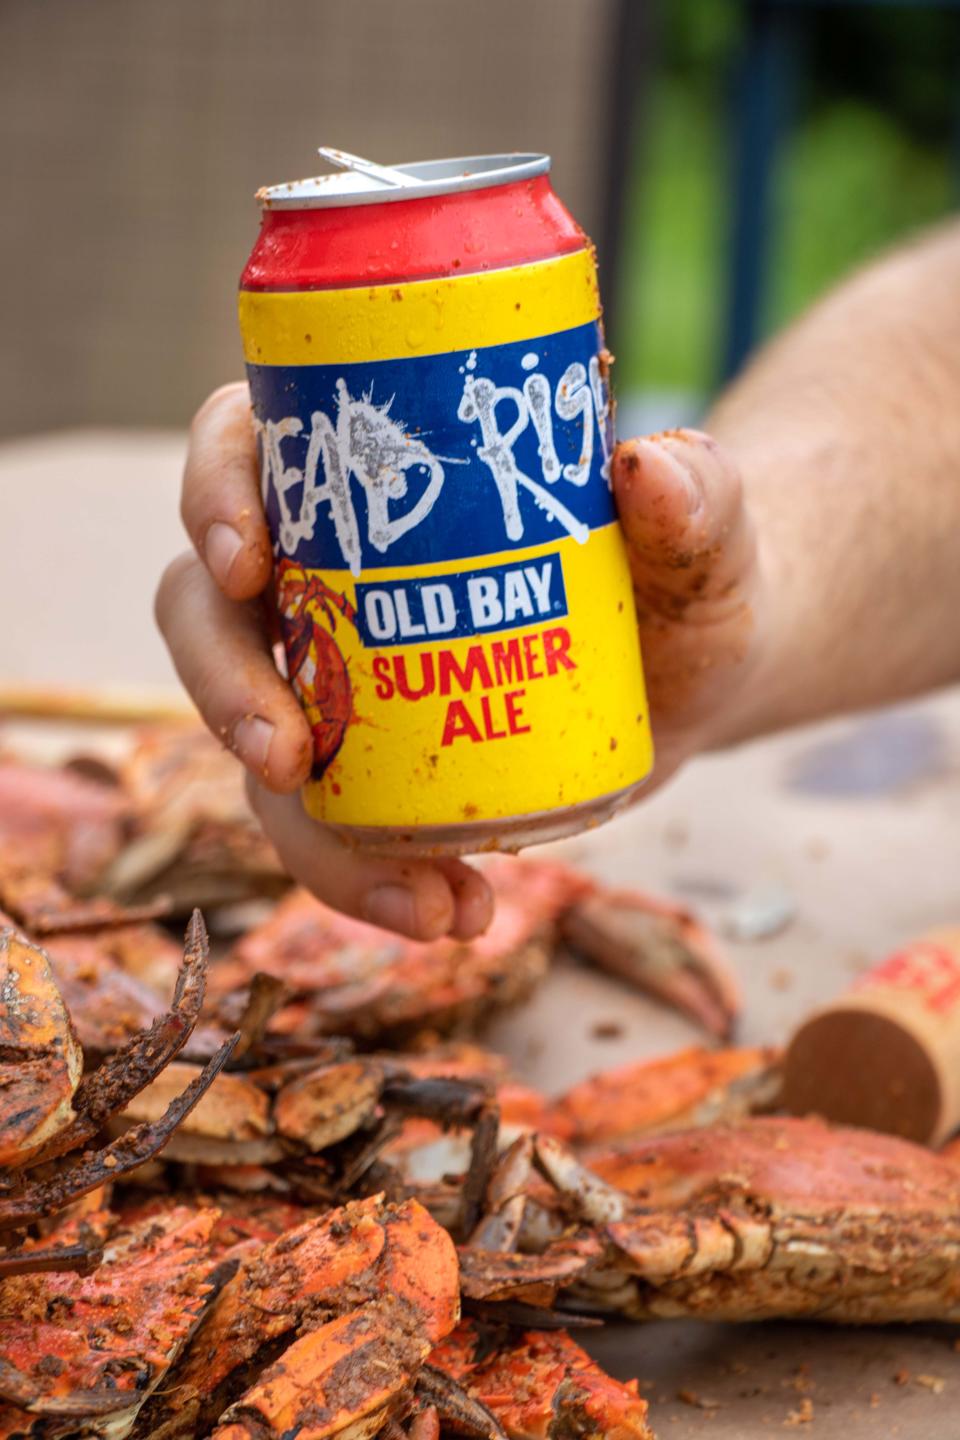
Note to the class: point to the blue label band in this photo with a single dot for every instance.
(441, 457)
(499, 597)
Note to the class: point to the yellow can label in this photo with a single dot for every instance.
(451, 580)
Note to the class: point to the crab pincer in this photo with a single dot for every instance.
(660, 948)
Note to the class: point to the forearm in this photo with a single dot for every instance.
(847, 431)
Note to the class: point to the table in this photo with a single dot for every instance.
(849, 829)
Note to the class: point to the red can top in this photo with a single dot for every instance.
(321, 234)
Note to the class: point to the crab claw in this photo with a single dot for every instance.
(660, 948)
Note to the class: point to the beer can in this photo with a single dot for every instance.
(433, 413)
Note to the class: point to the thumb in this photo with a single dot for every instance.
(693, 560)
(688, 534)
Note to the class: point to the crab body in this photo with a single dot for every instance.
(770, 1218)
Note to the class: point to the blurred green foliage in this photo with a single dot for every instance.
(870, 155)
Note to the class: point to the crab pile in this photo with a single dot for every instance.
(298, 1198)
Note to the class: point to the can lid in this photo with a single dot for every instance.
(417, 180)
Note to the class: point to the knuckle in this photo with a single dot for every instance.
(222, 404)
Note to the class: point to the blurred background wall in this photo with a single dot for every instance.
(135, 133)
(731, 157)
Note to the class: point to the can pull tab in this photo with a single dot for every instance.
(383, 174)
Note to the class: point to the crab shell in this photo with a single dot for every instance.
(112, 1335)
(773, 1217)
(541, 1385)
(359, 980)
(690, 1087)
(42, 1062)
(355, 979)
(369, 1289)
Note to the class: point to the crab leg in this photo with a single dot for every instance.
(483, 1159)
(18, 1389)
(453, 1404)
(660, 948)
(506, 1199)
(487, 1275)
(43, 1197)
(110, 1088)
(79, 1258)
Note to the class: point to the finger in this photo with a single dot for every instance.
(222, 655)
(419, 898)
(688, 533)
(220, 497)
(472, 898)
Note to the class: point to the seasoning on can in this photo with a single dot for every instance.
(887, 1054)
(435, 426)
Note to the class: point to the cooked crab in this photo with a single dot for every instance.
(367, 1291)
(83, 1353)
(322, 1126)
(59, 831)
(539, 1385)
(48, 1108)
(351, 978)
(686, 1088)
(772, 1217)
(194, 837)
(689, 1087)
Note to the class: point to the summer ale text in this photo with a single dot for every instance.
(490, 667)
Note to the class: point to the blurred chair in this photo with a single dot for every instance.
(136, 133)
(767, 67)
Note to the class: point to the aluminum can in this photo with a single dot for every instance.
(433, 414)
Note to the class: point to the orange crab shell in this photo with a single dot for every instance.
(544, 1384)
(347, 1378)
(791, 1162)
(366, 1249)
(38, 1082)
(360, 980)
(773, 1217)
(59, 822)
(689, 1087)
(118, 1328)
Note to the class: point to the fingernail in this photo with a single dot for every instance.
(221, 547)
(252, 737)
(392, 907)
(685, 472)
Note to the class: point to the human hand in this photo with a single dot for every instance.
(210, 611)
(692, 556)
